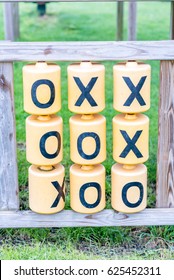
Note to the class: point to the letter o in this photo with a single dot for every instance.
(124, 194)
(82, 194)
(34, 95)
(79, 145)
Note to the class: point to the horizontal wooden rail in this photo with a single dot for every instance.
(74, 51)
(69, 218)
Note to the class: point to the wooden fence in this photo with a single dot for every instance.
(132, 20)
(12, 20)
(10, 52)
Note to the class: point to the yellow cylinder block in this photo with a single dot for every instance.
(46, 189)
(88, 139)
(86, 88)
(87, 188)
(41, 86)
(44, 140)
(129, 188)
(130, 138)
(132, 87)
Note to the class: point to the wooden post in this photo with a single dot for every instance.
(11, 21)
(8, 163)
(172, 21)
(119, 21)
(165, 162)
(132, 21)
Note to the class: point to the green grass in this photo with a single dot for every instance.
(88, 22)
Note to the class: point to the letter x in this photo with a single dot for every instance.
(85, 91)
(135, 91)
(131, 144)
(60, 192)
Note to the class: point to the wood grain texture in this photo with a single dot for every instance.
(8, 163)
(120, 15)
(69, 218)
(165, 161)
(76, 51)
(11, 21)
(132, 21)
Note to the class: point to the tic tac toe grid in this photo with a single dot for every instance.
(163, 214)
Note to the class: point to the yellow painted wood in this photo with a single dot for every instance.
(86, 88)
(131, 87)
(130, 138)
(44, 140)
(88, 139)
(46, 189)
(87, 188)
(129, 188)
(41, 87)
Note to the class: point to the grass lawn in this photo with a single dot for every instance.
(88, 22)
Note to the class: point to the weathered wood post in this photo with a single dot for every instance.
(172, 21)
(8, 163)
(11, 21)
(165, 161)
(119, 36)
(132, 21)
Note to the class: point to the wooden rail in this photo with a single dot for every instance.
(73, 51)
(69, 218)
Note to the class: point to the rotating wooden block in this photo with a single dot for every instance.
(86, 88)
(46, 189)
(41, 86)
(88, 139)
(87, 188)
(129, 188)
(44, 140)
(132, 87)
(130, 138)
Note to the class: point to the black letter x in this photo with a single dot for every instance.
(85, 91)
(135, 91)
(60, 192)
(131, 144)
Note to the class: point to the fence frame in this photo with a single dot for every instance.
(163, 214)
(12, 20)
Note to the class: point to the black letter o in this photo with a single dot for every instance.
(43, 141)
(34, 90)
(124, 194)
(79, 145)
(82, 194)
